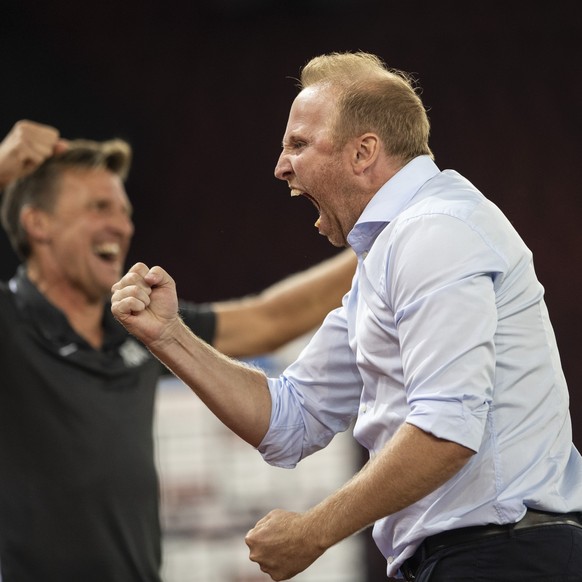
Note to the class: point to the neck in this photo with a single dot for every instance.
(84, 313)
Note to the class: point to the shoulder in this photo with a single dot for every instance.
(6, 295)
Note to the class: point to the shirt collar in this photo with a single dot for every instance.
(50, 321)
(392, 198)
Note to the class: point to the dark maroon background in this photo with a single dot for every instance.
(202, 92)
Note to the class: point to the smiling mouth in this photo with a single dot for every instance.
(108, 252)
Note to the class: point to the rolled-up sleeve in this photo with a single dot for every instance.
(446, 325)
(314, 398)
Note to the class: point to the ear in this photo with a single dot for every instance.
(36, 223)
(366, 152)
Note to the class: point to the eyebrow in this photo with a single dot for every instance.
(293, 138)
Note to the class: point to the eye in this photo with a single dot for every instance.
(101, 205)
(297, 145)
(294, 144)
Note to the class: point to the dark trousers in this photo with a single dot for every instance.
(552, 553)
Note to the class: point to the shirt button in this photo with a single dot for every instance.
(363, 408)
(364, 254)
(390, 559)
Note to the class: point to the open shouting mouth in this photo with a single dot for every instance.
(297, 192)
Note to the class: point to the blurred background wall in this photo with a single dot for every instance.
(202, 91)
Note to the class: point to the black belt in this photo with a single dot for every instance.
(446, 539)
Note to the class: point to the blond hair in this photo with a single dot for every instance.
(40, 187)
(370, 97)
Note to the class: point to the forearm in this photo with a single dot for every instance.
(284, 311)
(412, 465)
(237, 394)
(145, 302)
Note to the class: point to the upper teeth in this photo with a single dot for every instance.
(295, 192)
(110, 248)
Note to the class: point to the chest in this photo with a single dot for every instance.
(373, 333)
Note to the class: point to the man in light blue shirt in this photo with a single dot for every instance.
(442, 353)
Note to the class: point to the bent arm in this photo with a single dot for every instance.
(412, 465)
(145, 303)
(284, 311)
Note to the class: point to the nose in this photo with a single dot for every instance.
(123, 223)
(129, 226)
(283, 169)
